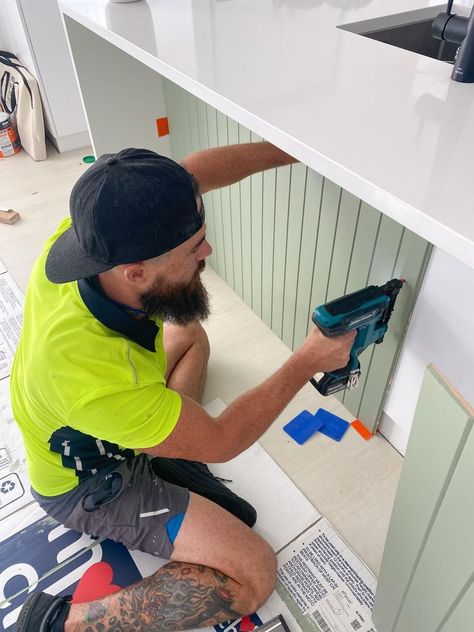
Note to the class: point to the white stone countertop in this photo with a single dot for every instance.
(386, 124)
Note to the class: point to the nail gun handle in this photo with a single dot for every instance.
(335, 381)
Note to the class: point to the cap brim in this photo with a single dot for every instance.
(66, 261)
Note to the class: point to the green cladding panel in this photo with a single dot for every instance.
(287, 240)
(426, 580)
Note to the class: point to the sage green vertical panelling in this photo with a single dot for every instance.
(246, 218)
(233, 136)
(381, 267)
(175, 99)
(368, 225)
(344, 239)
(282, 197)
(331, 198)
(288, 240)
(218, 243)
(309, 235)
(293, 248)
(427, 566)
(208, 198)
(225, 207)
(193, 123)
(463, 612)
(411, 257)
(269, 188)
(256, 193)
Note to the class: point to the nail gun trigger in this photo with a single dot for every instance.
(353, 380)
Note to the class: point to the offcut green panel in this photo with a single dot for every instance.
(463, 611)
(288, 240)
(427, 565)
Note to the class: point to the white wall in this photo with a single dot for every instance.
(15, 39)
(441, 332)
(33, 31)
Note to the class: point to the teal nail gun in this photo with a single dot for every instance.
(366, 310)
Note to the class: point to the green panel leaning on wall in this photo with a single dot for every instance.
(287, 240)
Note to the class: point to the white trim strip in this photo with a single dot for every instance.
(147, 514)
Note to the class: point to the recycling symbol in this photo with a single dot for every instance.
(7, 486)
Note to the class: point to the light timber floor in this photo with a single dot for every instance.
(352, 483)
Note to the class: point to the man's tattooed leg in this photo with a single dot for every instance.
(177, 597)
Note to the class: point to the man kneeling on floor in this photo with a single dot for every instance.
(106, 386)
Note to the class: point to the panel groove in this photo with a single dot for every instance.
(397, 254)
(333, 245)
(285, 259)
(456, 603)
(373, 251)
(310, 305)
(273, 245)
(299, 259)
(353, 246)
(261, 251)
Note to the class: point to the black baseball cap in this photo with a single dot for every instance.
(129, 206)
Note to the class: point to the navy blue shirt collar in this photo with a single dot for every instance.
(143, 331)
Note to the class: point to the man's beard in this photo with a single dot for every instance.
(178, 304)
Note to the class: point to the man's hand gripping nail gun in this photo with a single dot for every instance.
(368, 311)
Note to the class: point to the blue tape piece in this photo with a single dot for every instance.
(302, 427)
(173, 526)
(331, 425)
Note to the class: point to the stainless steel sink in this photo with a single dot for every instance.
(410, 30)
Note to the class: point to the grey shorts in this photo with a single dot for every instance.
(129, 504)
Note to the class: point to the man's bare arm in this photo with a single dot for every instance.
(221, 166)
(197, 436)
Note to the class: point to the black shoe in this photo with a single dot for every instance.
(43, 613)
(198, 478)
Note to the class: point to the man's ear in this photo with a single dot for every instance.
(135, 273)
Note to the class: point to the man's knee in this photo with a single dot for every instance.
(262, 586)
(200, 339)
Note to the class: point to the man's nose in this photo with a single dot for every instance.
(205, 250)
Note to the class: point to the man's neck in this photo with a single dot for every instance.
(112, 290)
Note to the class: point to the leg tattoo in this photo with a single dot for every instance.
(177, 597)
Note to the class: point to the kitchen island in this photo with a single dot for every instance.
(387, 125)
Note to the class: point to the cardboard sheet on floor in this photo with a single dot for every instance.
(14, 483)
(11, 315)
(324, 584)
(283, 511)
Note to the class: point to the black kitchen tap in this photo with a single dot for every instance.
(458, 29)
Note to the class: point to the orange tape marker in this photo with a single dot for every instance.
(162, 126)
